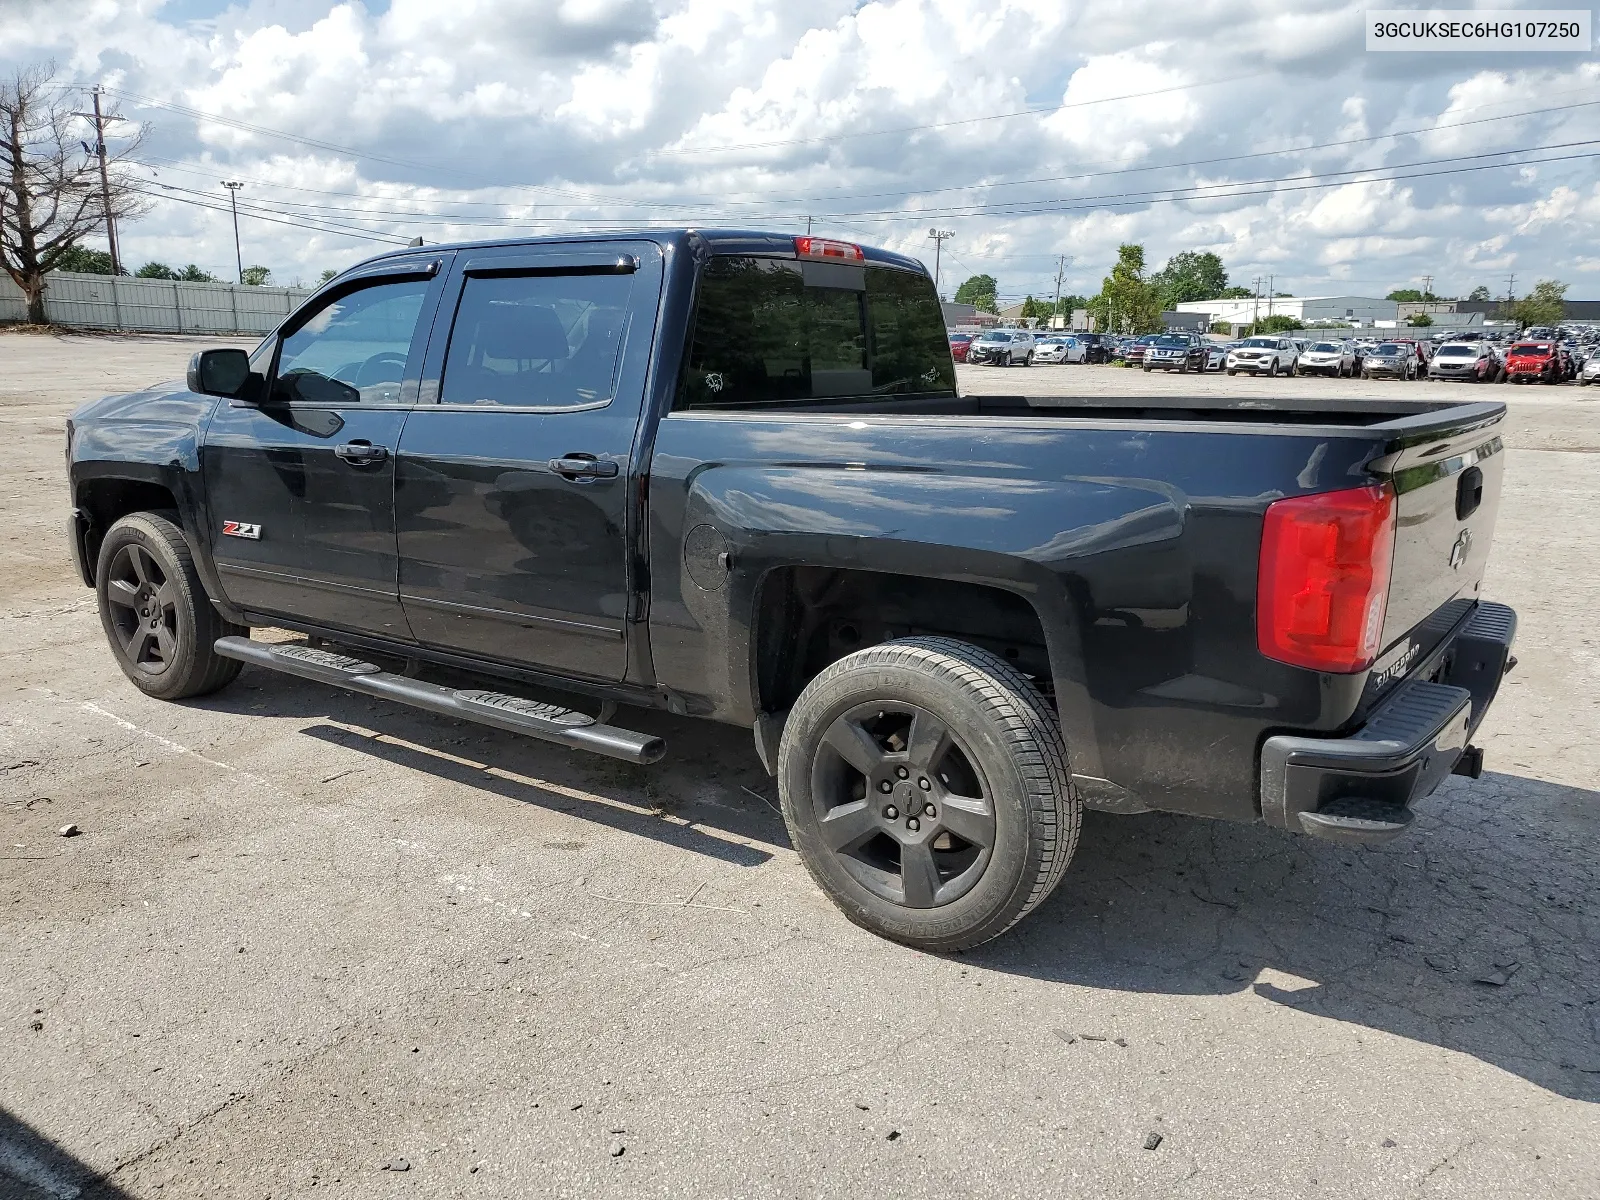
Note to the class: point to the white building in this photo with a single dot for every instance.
(1310, 310)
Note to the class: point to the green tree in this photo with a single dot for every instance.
(256, 276)
(1419, 320)
(1131, 304)
(155, 270)
(1276, 323)
(1234, 293)
(1479, 294)
(1070, 304)
(1190, 275)
(193, 274)
(981, 290)
(1410, 296)
(1545, 305)
(85, 261)
(1034, 309)
(325, 276)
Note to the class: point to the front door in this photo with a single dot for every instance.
(512, 492)
(300, 485)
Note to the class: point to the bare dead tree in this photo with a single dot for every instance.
(50, 187)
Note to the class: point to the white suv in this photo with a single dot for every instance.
(1263, 355)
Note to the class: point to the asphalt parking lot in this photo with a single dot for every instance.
(310, 941)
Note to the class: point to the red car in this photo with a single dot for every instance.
(1544, 361)
(1135, 353)
(958, 346)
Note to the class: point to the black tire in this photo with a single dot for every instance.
(155, 612)
(969, 726)
(1272, 369)
(1231, 371)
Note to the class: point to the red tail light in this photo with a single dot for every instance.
(1324, 580)
(815, 247)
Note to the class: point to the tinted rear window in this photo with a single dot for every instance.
(779, 331)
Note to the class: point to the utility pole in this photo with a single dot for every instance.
(233, 187)
(1272, 286)
(808, 226)
(939, 236)
(100, 120)
(1511, 293)
(1255, 313)
(1061, 269)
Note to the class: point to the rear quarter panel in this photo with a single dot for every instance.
(1135, 546)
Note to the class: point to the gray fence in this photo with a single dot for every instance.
(154, 305)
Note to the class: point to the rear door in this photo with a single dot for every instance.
(300, 487)
(512, 484)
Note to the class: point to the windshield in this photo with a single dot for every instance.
(1457, 352)
(1530, 348)
(780, 331)
(1326, 348)
(1389, 350)
(1172, 343)
(994, 337)
(1263, 342)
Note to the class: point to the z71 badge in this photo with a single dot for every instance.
(244, 529)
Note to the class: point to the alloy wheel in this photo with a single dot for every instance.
(144, 613)
(902, 806)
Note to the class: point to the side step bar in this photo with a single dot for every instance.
(549, 722)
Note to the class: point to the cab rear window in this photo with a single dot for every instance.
(772, 332)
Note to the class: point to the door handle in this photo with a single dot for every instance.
(361, 453)
(574, 467)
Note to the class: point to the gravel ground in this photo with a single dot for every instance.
(308, 940)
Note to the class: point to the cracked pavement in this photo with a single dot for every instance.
(305, 934)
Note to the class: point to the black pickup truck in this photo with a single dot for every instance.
(730, 475)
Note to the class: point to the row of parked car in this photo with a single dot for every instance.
(1531, 358)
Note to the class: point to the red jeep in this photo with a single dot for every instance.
(1544, 361)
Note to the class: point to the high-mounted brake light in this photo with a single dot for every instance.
(1324, 582)
(824, 248)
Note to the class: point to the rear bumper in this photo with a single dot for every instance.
(1415, 738)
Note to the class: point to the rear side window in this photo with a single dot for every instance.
(536, 340)
(776, 331)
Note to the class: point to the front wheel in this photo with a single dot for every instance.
(1272, 369)
(155, 611)
(926, 787)
(1231, 371)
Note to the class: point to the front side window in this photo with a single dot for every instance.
(536, 340)
(352, 350)
(779, 331)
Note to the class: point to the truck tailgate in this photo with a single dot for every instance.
(1447, 480)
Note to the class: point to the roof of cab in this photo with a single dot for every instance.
(717, 241)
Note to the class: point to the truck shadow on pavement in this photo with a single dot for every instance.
(32, 1167)
(1476, 932)
(688, 801)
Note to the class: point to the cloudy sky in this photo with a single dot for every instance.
(1031, 129)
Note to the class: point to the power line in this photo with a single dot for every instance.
(696, 203)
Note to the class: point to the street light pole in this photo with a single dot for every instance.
(233, 187)
(939, 237)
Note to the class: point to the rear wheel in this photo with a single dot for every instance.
(155, 612)
(926, 788)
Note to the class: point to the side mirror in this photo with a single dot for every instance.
(219, 372)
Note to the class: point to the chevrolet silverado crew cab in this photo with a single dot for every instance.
(730, 475)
